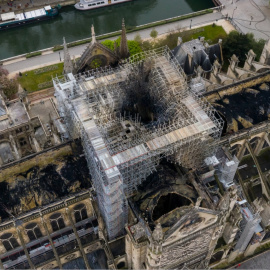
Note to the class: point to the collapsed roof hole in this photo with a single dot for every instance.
(169, 202)
(138, 100)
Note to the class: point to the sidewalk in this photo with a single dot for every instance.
(250, 16)
(25, 5)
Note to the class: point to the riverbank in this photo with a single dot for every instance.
(34, 80)
(75, 25)
(25, 5)
(50, 57)
(113, 35)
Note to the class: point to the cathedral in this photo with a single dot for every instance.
(165, 139)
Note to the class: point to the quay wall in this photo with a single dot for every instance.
(111, 34)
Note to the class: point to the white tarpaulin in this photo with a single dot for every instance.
(47, 8)
(8, 16)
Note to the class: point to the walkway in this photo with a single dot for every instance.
(54, 57)
(261, 261)
(250, 16)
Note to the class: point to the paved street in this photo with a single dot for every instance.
(250, 16)
(54, 57)
(261, 261)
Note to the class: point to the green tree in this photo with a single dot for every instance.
(96, 63)
(9, 87)
(138, 38)
(134, 47)
(154, 33)
(147, 45)
(239, 44)
(109, 44)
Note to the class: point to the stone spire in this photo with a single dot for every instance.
(68, 65)
(154, 250)
(157, 234)
(93, 34)
(101, 228)
(265, 56)
(124, 52)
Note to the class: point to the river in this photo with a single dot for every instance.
(74, 25)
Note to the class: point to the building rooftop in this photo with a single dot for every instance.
(17, 116)
(123, 139)
(129, 118)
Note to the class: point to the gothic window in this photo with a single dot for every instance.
(80, 212)
(22, 141)
(57, 222)
(9, 241)
(19, 130)
(33, 231)
(121, 265)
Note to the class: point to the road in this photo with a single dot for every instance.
(261, 261)
(54, 57)
(250, 16)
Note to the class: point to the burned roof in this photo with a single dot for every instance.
(165, 189)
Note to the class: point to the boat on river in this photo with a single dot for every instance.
(10, 19)
(92, 4)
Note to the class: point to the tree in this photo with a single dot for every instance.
(138, 38)
(3, 72)
(154, 33)
(9, 87)
(96, 63)
(134, 47)
(109, 44)
(239, 44)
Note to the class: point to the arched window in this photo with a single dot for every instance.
(121, 265)
(57, 222)
(80, 212)
(33, 231)
(9, 241)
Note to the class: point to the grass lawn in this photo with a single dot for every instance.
(211, 33)
(33, 82)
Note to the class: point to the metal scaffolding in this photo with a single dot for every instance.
(129, 118)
